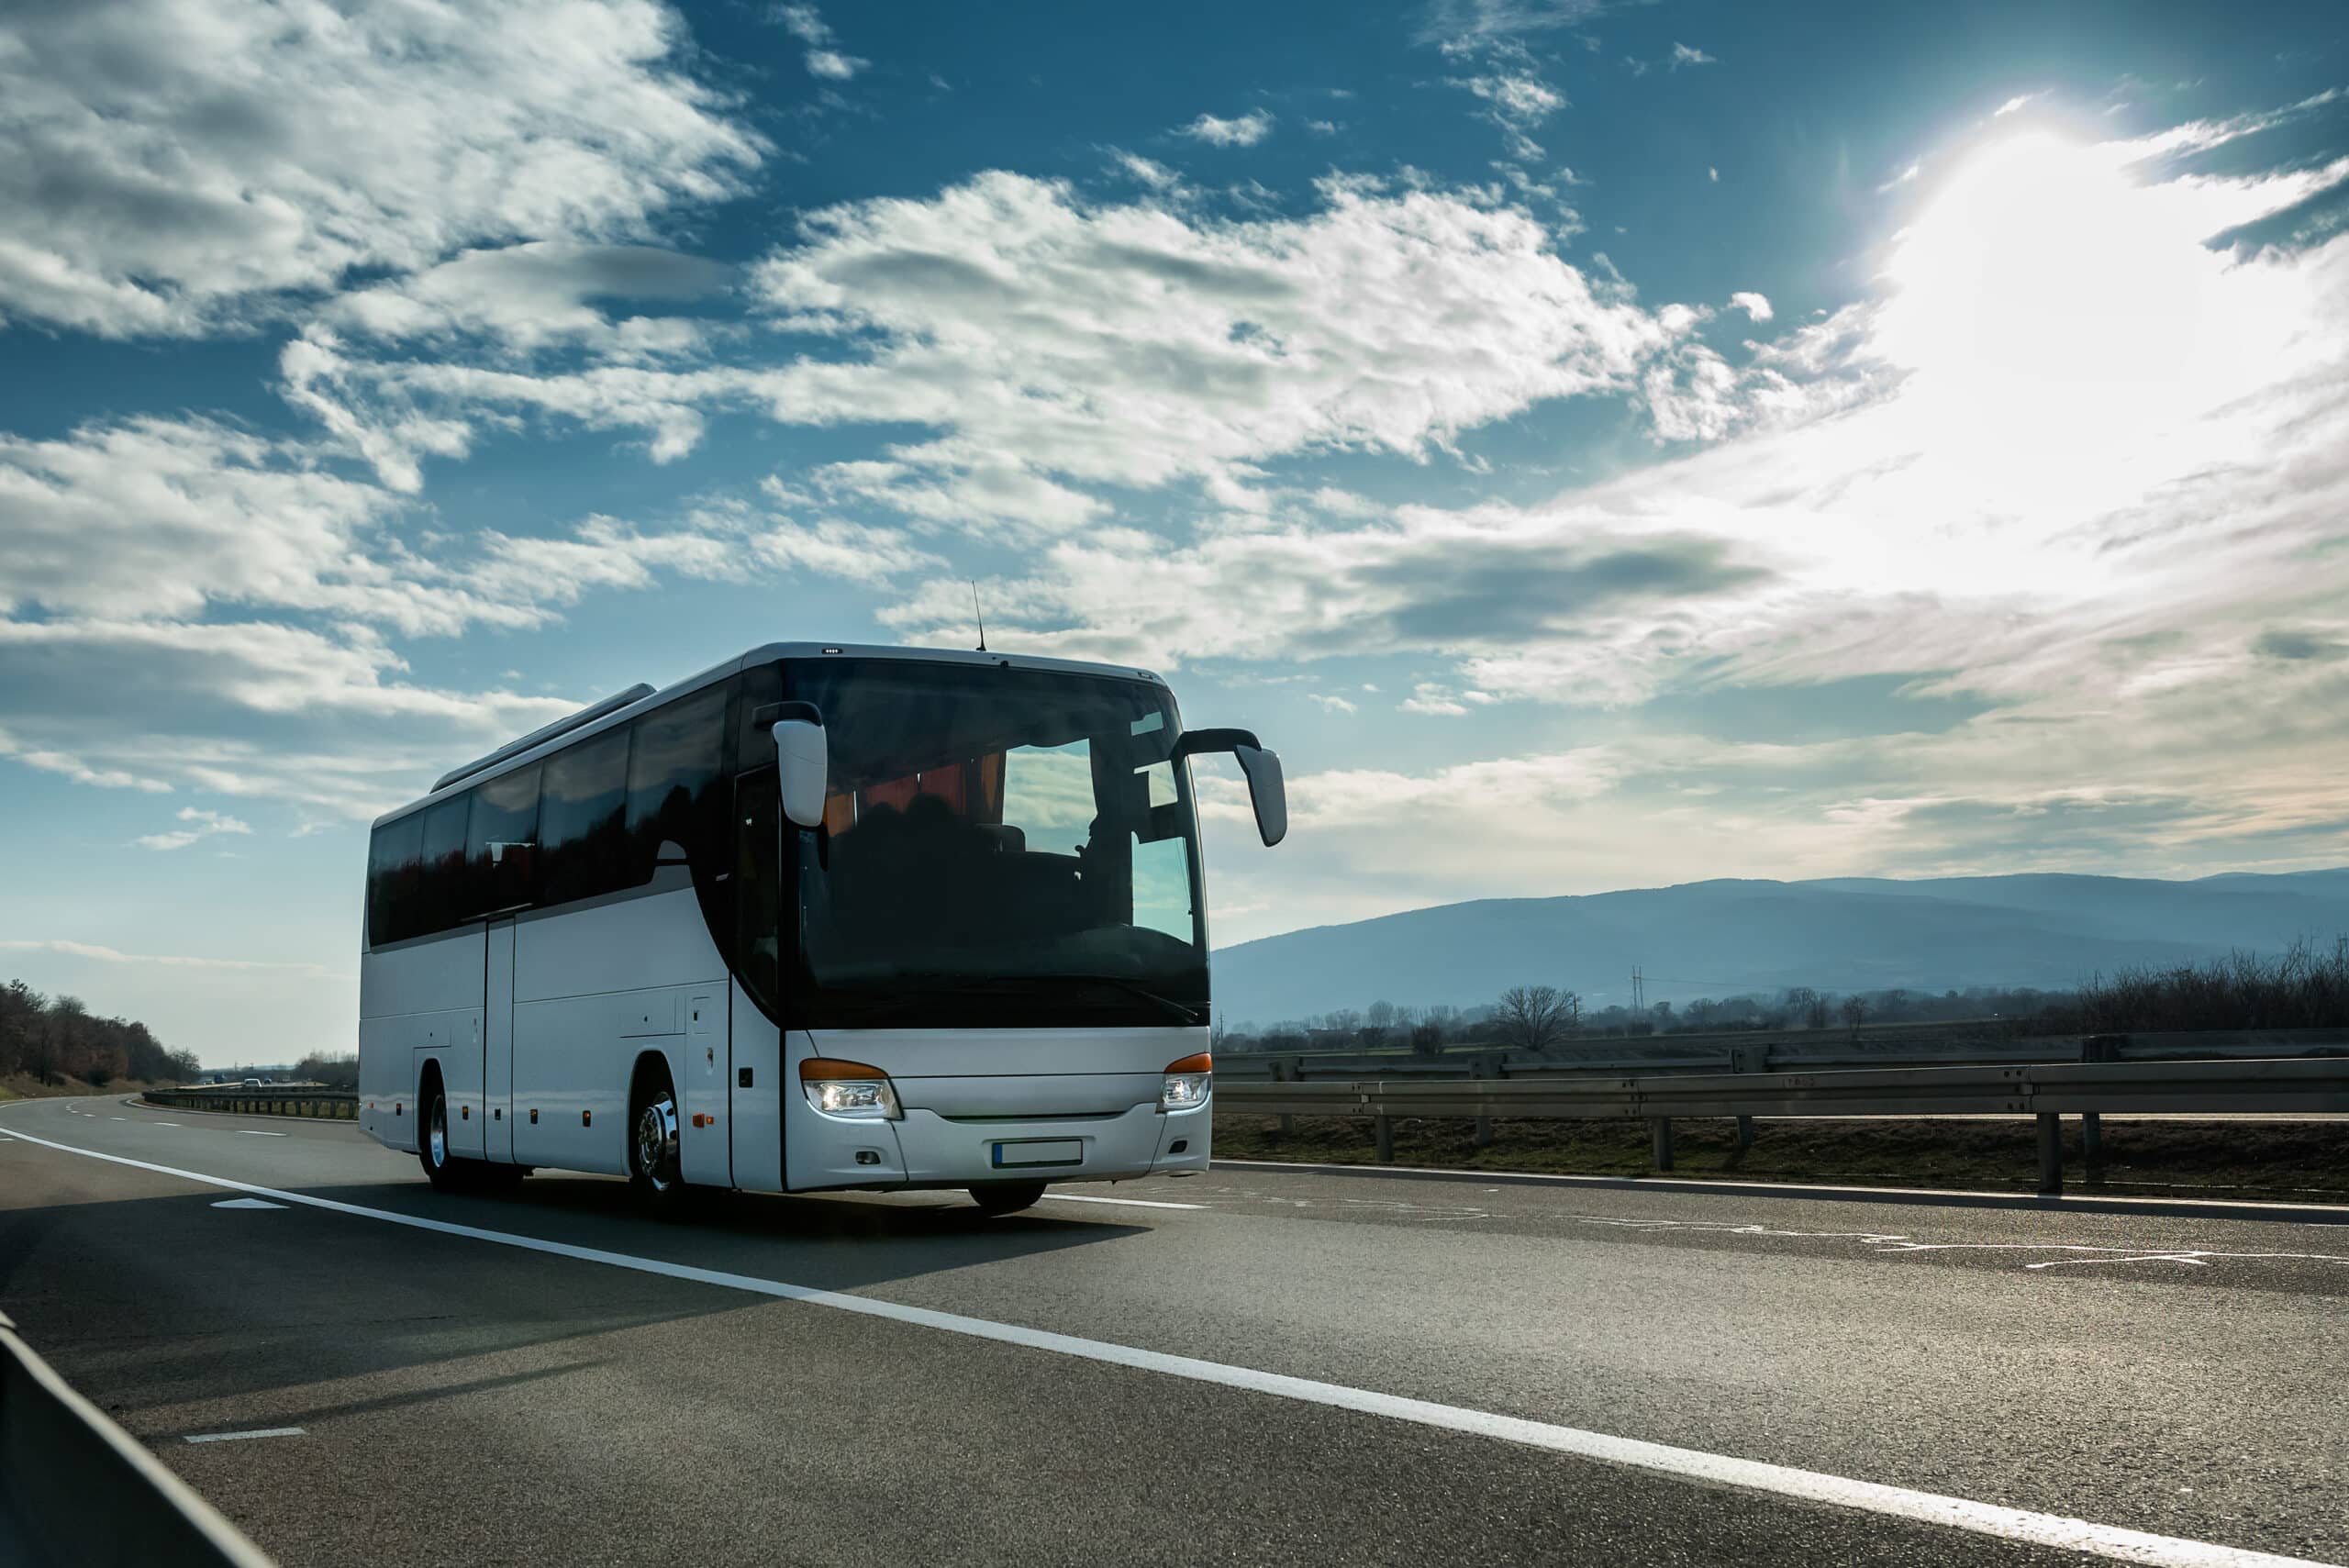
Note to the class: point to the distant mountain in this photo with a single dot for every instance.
(1720, 938)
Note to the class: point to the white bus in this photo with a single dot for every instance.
(819, 917)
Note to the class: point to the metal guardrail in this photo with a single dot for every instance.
(330, 1105)
(75, 1488)
(2047, 1091)
(1774, 1054)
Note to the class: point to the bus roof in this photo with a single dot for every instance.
(766, 653)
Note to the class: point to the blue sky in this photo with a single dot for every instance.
(1598, 445)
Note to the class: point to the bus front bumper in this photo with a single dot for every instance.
(942, 1151)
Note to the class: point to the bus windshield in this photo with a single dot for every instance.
(1000, 847)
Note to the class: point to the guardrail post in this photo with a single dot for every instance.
(1744, 1133)
(2051, 1153)
(2092, 1143)
(1484, 1067)
(1282, 1073)
(1386, 1132)
(1661, 1127)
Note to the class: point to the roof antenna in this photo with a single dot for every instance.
(980, 613)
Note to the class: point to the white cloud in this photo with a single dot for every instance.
(1465, 24)
(536, 296)
(203, 825)
(178, 165)
(1157, 176)
(1245, 131)
(2012, 104)
(1434, 699)
(1135, 345)
(1756, 306)
(1682, 54)
(832, 65)
(822, 59)
(1516, 100)
(1712, 175)
(162, 517)
(1322, 128)
(171, 960)
(1334, 703)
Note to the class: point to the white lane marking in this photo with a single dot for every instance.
(247, 1202)
(1123, 1202)
(255, 1132)
(2053, 1530)
(117, 1118)
(240, 1437)
(167, 1124)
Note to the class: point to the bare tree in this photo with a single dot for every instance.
(1856, 1011)
(1377, 1021)
(1531, 1018)
(1570, 1010)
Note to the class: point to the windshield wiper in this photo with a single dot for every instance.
(949, 984)
(1188, 1014)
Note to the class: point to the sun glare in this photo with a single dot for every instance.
(2042, 269)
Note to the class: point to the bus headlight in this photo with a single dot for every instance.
(1187, 1082)
(854, 1090)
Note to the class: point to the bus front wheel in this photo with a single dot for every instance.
(1005, 1197)
(652, 1152)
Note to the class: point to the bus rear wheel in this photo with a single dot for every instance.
(445, 1171)
(1005, 1197)
(652, 1154)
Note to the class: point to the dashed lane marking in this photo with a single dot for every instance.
(240, 1437)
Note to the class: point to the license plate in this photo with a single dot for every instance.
(1039, 1151)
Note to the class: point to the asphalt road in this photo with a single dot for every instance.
(1284, 1367)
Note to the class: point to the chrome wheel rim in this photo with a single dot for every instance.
(656, 1142)
(437, 1139)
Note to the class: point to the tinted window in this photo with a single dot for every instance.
(393, 873)
(501, 844)
(582, 820)
(441, 889)
(673, 774)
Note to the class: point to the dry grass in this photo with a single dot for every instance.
(2300, 1161)
(21, 1086)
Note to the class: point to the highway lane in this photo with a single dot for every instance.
(2173, 1376)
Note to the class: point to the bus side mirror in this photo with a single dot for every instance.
(1267, 790)
(803, 769)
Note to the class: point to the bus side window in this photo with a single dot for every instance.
(583, 829)
(673, 780)
(441, 893)
(395, 870)
(501, 841)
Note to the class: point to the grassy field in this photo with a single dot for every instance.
(2301, 1162)
(20, 1087)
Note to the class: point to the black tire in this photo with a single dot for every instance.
(445, 1171)
(1005, 1197)
(653, 1149)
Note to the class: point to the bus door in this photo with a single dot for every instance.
(497, 1041)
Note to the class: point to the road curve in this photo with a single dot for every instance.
(1247, 1367)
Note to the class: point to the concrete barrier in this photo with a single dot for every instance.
(76, 1489)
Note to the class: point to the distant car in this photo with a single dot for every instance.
(250, 1083)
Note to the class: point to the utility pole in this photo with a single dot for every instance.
(1639, 991)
